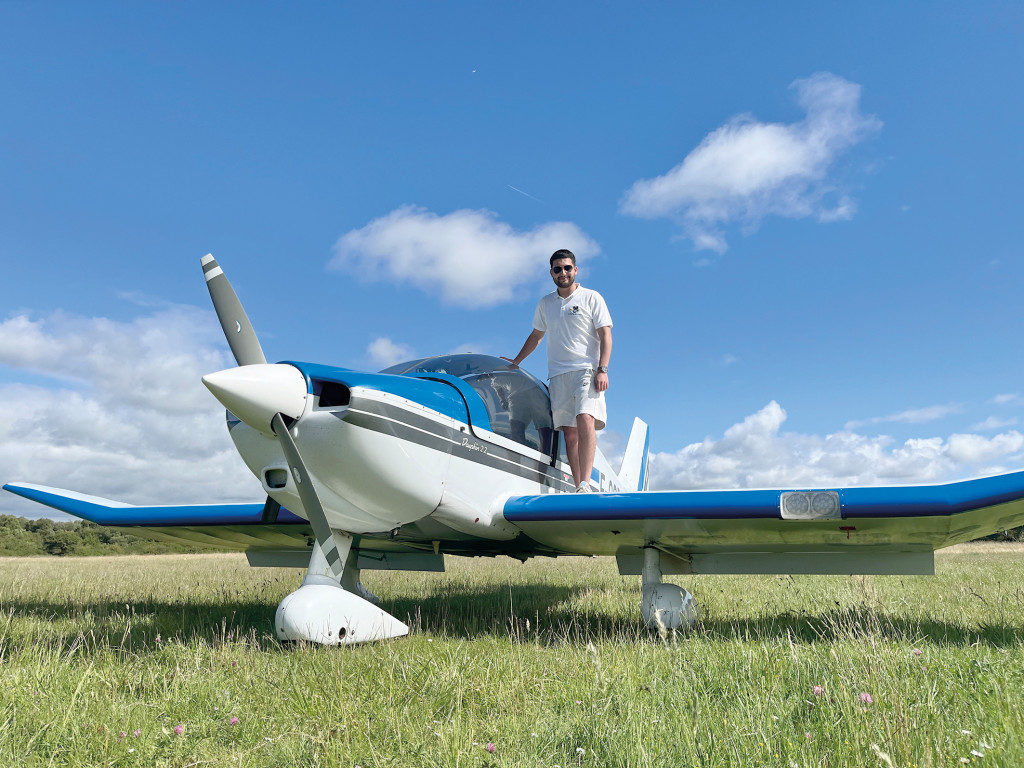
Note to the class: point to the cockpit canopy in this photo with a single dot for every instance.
(517, 403)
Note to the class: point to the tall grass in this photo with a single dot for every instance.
(101, 659)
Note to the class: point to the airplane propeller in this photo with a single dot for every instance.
(322, 610)
(237, 328)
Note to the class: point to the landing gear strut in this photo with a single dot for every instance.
(325, 612)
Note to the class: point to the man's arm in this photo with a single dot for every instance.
(528, 346)
(604, 336)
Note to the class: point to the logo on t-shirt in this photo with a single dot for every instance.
(575, 310)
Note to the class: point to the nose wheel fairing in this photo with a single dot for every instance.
(327, 614)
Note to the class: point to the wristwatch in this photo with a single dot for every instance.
(602, 369)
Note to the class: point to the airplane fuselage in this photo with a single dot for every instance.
(388, 450)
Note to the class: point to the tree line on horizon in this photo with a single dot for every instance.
(21, 537)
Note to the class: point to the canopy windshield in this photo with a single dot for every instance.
(517, 403)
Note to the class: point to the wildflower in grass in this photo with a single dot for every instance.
(818, 690)
(865, 698)
(808, 735)
(158, 640)
(490, 747)
(976, 753)
(234, 721)
(580, 751)
(122, 736)
(179, 729)
(137, 732)
(917, 651)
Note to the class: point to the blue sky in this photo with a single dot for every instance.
(804, 220)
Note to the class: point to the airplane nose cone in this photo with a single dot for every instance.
(254, 393)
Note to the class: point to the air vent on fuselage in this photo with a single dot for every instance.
(332, 394)
(276, 477)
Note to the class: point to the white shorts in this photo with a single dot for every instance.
(573, 393)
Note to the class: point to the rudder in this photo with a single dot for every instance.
(633, 472)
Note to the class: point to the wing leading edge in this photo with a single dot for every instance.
(867, 530)
(233, 527)
(102, 511)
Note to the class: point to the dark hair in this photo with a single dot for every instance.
(563, 253)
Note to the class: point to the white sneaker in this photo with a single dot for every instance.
(584, 488)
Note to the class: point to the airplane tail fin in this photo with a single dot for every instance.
(633, 472)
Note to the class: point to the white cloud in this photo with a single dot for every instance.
(993, 422)
(130, 419)
(467, 347)
(383, 352)
(1011, 398)
(975, 449)
(747, 170)
(756, 454)
(469, 257)
(911, 416)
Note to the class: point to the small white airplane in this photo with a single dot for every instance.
(456, 455)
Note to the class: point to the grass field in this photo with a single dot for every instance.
(170, 660)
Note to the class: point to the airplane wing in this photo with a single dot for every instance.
(864, 530)
(268, 534)
(234, 527)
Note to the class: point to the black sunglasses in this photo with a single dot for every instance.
(567, 268)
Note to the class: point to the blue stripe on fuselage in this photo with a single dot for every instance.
(431, 390)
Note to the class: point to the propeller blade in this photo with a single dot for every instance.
(237, 328)
(314, 509)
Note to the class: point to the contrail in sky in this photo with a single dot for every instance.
(526, 194)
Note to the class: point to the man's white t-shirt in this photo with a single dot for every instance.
(571, 326)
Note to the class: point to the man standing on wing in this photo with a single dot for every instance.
(579, 347)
